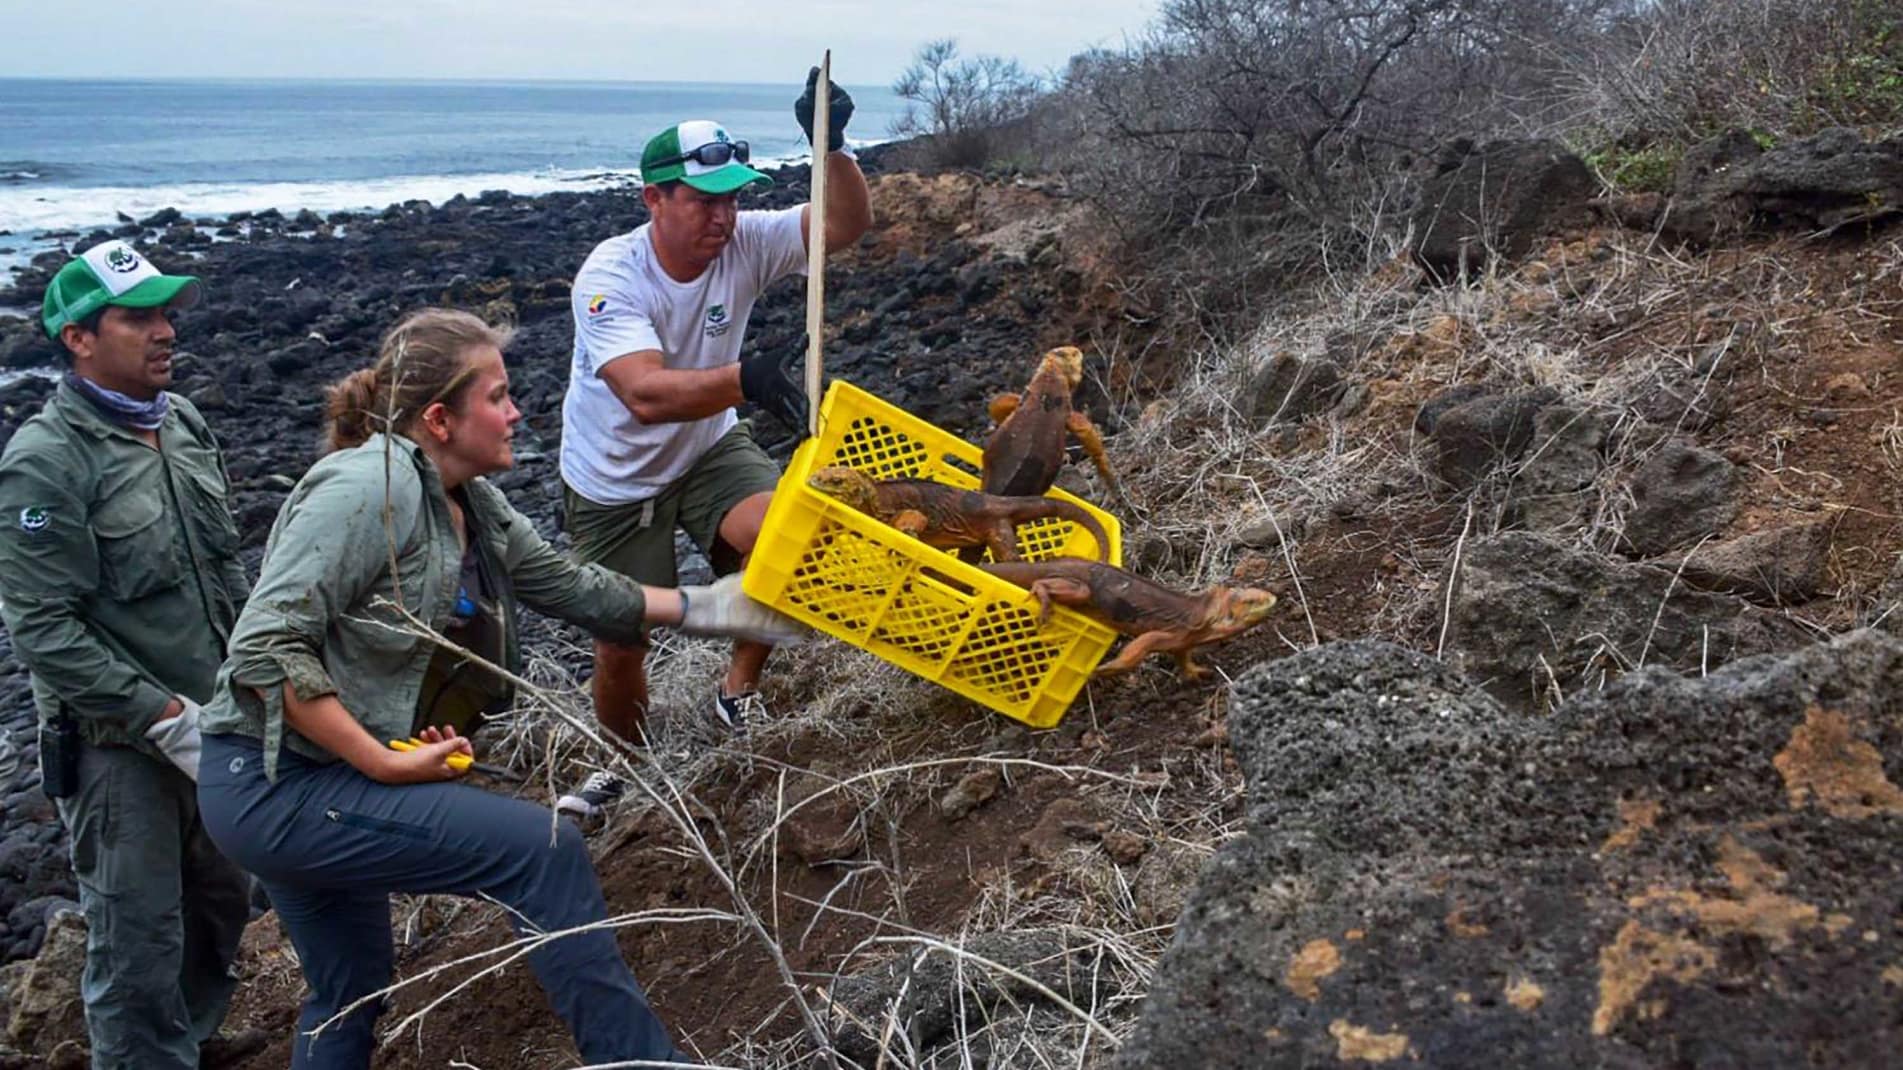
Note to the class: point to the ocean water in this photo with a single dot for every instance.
(75, 154)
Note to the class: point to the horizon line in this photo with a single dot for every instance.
(411, 79)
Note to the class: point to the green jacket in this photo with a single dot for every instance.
(321, 616)
(119, 571)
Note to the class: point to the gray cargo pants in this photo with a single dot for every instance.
(330, 845)
(164, 911)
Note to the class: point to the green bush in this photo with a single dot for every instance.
(1866, 86)
(1641, 170)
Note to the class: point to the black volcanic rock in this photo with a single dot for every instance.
(1670, 872)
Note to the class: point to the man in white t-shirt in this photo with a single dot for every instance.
(650, 441)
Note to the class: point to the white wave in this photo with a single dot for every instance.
(11, 376)
(28, 208)
(42, 208)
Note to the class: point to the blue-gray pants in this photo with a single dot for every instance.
(330, 845)
(164, 911)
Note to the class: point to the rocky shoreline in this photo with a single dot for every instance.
(919, 314)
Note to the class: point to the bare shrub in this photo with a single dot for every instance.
(1241, 146)
(966, 108)
(1669, 73)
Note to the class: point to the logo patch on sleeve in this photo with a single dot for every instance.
(597, 304)
(34, 519)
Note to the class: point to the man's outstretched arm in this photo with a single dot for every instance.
(656, 394)
(848, 204)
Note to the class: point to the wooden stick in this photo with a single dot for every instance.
(816, 241)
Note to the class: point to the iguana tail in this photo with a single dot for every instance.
(1063, 510)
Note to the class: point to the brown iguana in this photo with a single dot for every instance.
(1024, 453)
(947, 517)
(1161, 620)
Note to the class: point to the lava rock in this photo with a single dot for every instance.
(1782, 566)
(28, 347)
(1474, 437)
(47, 1011)
(1565, 456)
(1835, 177)
(1499, 200)
(1534, 617)
(1680, 494)
(1668, 871)
(1288, 389)
(973, 790)
(925, 993)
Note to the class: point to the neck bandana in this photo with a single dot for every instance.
(120, 409)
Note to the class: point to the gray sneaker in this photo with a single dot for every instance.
(737, 712)
(590, 802)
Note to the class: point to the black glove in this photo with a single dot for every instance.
(773, 384)
(840, 111)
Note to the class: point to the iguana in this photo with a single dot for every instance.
(1162, 621)
(947, 517)
(1024, 454)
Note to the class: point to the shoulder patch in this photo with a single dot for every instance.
(597, 304)
(35, 519)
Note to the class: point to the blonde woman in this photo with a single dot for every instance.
(298, 783)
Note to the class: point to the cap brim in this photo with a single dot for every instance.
(732, 177)
(170, 291)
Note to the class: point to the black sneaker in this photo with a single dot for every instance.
(736, 712)
(590, 802)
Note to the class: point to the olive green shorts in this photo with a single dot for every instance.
(637, 539)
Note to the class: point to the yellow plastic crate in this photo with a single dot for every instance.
(918, 607)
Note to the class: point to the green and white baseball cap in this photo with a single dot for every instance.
(111, 273)
(670, 157)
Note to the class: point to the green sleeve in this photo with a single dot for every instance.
(49, 567)
(236, 582)
(608, 604)
(330, 550)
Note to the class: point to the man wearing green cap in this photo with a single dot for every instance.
(650, 441)
(119, 584)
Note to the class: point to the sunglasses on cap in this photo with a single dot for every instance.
(712, 154)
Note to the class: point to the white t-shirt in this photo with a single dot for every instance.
(624, 303)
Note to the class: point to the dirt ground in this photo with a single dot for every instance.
(713, 983)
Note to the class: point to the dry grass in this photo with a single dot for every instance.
(1638, 339)
(856, 710)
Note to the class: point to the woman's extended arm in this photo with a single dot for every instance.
(324, 721)
(614, 607)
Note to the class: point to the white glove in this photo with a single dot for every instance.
(722, 608)
(178, 737)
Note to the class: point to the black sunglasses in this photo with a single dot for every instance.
(714, 153)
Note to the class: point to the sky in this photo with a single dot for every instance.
(607, 40)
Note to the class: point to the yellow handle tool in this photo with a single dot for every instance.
(460, 762)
